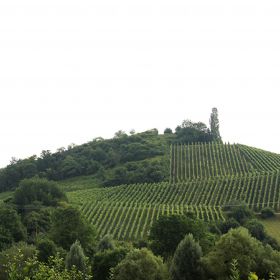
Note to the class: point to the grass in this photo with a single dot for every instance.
(79, 183)
(272, 226)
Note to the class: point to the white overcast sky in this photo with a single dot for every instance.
(74, 70)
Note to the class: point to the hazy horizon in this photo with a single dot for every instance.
(72, 71)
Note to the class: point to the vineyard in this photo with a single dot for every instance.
(203, 179)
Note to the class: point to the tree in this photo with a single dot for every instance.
(15, 257)
(186, 261)
(228, 224)
(36, 270)
(168, 131)
(38, 190)
(11, 227)
(168, 231)
(106, 243)
(251, 254)
(190, 132)
(69, 226)
(76, 257)
(214, 125)
(104, 261)
(140, 265)
(256, 229)
(46, 248)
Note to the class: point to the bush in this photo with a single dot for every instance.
(267, 213)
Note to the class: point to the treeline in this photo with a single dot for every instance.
(124, 159)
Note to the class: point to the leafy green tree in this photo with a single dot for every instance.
(46, 248)
(11, 227)
(236, 244)
(168, 231)
(104, 261)
(189, 132)
(106, 243)
(186, 261)
(16, 257)
(38, 190)
(76, 257)
(215, 125)
(228, 224)
(35, 270)
(140, 265)
(256, 229)
(38, 221)
(69, 226)
(251, 254)
(168, 131)
(69, 167)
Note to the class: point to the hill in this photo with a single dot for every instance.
(203, 179)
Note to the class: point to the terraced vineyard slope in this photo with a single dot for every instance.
(203, 178)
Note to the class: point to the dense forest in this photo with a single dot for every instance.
(145, 206)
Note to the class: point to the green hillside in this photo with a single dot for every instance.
(203, 178)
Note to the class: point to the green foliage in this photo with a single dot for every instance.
(256, 229)
(228, 224)
(140, 265)
(267, 212)
(168, 131)
(76, 258)
(241, 213)
(15, 258)
(190, 132)
(234, 270)
(69, 226)
(106, 243)
(186, 261)
(38, 190)
(251, 254)
(46, 248)
(168, 231)
(37, 222)
(104, 261)
(95, 158)
(11, 227)
(32, 269)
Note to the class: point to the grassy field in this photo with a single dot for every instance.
(272, 226)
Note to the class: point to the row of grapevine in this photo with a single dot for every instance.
(257, 189)
(129, 221)
(261, 160)
(206, 160)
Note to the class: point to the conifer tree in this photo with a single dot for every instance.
(214, 125)
(76, 257)
(186, 261)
